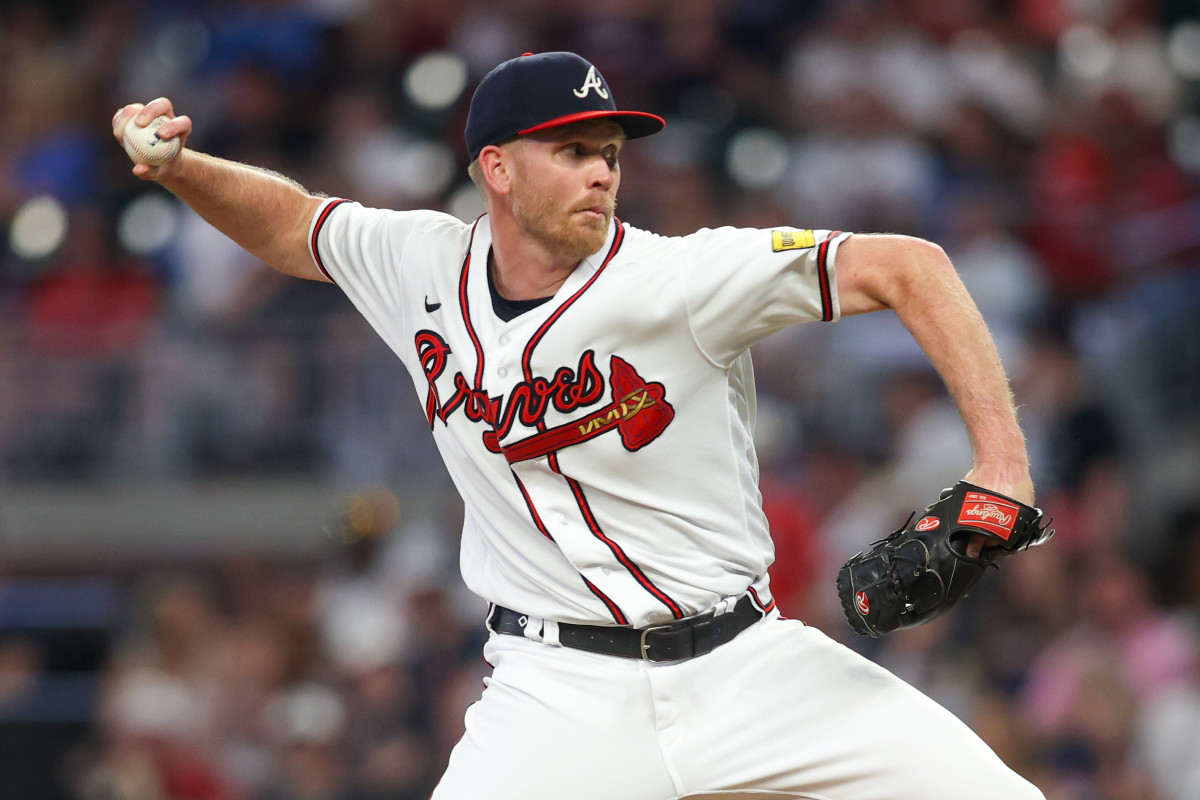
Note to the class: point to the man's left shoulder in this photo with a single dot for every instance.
(647, 245)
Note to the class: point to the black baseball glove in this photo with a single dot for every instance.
(922, 570)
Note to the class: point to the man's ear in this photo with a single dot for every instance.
(495, 165)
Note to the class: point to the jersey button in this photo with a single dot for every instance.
(562, 519)
(505, 339)
(502, 372)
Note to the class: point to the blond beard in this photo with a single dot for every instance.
(560, 233)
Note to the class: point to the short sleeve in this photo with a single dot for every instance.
(743, 284)
(373, 254)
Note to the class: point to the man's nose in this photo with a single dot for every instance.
(603, 176)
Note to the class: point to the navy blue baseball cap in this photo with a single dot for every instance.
(538, 91)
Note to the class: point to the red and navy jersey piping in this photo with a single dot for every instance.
(617, 614)
(823, 277)
(464, 305)
(764, 608)
(576, 489)
(316, 253)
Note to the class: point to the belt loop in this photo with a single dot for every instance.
(531, 627)
(550, 633)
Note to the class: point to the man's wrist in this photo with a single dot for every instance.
(1009, 477)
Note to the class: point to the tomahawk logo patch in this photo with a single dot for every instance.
(639, 412)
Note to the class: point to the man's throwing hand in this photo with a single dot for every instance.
(140, 143)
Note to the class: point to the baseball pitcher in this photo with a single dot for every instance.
(590, 389)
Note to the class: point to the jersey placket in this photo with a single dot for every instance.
(553, 506)
(607, 570)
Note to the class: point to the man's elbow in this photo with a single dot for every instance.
(916, 257)
(288, 251)
(889, 270)
(298, 264)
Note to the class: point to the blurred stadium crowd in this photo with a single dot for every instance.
(1051, 146)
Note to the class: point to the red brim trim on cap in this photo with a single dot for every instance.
(635, 123)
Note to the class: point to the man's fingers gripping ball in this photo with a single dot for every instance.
(144, 145)
(922, 570)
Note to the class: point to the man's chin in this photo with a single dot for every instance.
(584, 241)
(575, 238)
(595, 234)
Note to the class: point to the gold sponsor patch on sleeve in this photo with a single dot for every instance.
(791, 240)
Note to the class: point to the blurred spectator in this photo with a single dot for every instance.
(306, 725)
(1031, 604)
(161, 703)
(45, 146)
(1071, 224)
(86, 317)
(857, 172)
(94, 300)
(1002, 275)
(1121, 637)
(1075, 442)
(1167, 731)
(21, 665)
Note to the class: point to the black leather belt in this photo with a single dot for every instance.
(675, 641)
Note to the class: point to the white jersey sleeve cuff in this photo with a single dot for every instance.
(314, 234)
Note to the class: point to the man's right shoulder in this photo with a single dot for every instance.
(438, 223)
(352, 219)
(421, 220)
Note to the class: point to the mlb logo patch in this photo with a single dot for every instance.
(791, 240)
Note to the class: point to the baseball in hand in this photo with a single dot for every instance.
(143, 145)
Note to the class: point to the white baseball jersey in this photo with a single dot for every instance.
(603, 441)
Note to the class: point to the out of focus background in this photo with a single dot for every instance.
(227, 545)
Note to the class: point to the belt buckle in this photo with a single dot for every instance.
(645, 648)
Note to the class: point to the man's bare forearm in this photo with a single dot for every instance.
(916, 279)
(946, 323)
(267, 214)
(264, 212)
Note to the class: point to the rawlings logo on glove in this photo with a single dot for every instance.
(920, 571)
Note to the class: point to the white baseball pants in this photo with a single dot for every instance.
(781, 711)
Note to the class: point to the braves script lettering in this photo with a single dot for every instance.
(527, 403)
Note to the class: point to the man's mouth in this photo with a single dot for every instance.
(600, 212)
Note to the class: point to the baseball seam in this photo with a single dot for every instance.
(151, 155)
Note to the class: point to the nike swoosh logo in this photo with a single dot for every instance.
(431, 307)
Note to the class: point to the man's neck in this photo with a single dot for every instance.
(522, 268)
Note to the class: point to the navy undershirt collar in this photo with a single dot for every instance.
(504, 308)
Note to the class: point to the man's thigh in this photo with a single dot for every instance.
(782, 711)
(555, 723)
(785, 709)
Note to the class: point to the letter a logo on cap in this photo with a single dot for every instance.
(592, 81)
